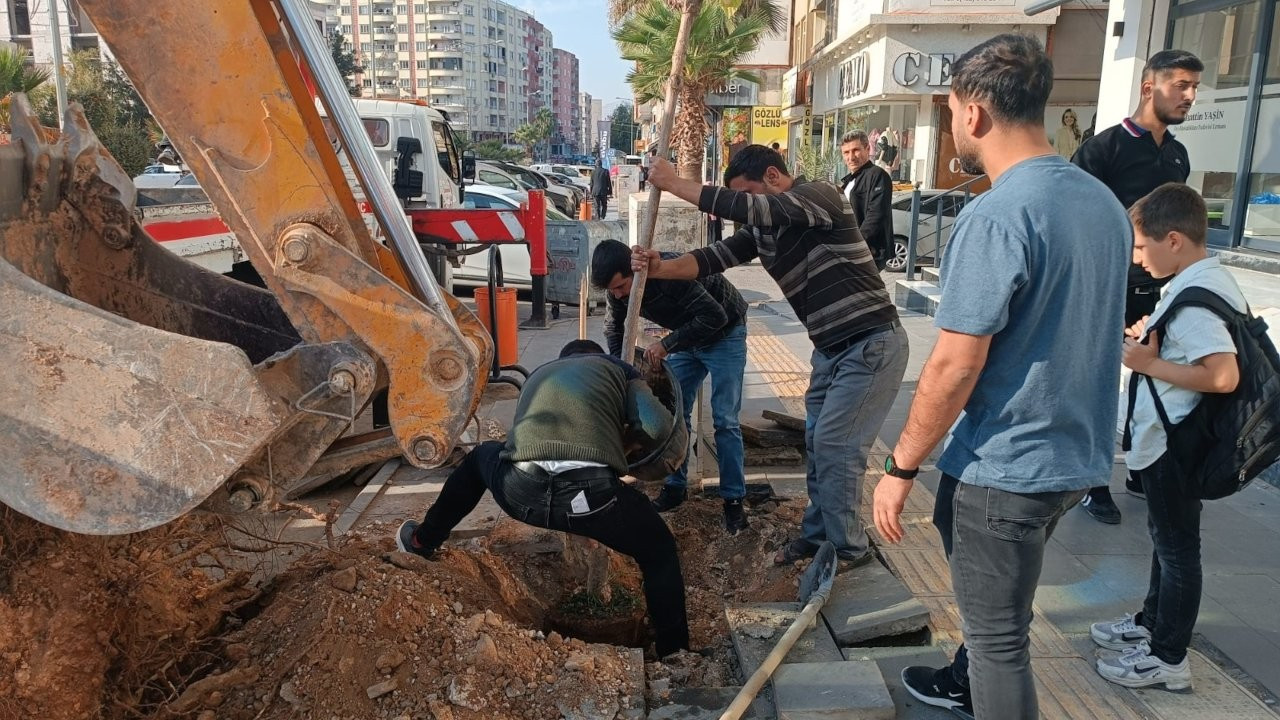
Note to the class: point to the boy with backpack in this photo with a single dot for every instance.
(1183, 355)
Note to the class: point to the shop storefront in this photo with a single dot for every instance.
(1232, 133)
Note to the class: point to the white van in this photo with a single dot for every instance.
(416, 147)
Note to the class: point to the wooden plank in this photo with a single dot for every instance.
(370, 491)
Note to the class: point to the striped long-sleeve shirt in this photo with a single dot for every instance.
(807, 239)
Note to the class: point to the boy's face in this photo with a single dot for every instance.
(1158, 257)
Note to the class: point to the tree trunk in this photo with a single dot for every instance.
(690, 132)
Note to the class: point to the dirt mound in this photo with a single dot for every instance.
(492, 628)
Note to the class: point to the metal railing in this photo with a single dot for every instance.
(918, 206)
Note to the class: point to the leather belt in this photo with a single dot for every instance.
(845, 344)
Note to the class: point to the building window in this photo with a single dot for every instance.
(404, 82)
(468, 10)
(422, 82)
(404, 64)
(420, 27)
(422, 64)
(364, 9)
(402, 28)
(469, 28)
(364, 28)
(420, 46)
(346, 30)
(404, 46)
(344, 10)
(400, 9)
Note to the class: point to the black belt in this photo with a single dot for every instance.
(532, 469)
(842, 345)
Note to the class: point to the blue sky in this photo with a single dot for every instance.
(582, 28)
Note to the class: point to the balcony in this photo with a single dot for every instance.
(445, 49)
(386, 70)
(384, 32)
(445, 32)
(383, 3)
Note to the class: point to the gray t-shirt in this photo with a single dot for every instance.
(1039, 263)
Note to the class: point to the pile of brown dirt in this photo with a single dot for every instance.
(491, 628)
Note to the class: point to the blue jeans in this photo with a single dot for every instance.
(849, 395)
(1177, 576)
(726, 361)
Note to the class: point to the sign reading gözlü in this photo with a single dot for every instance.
(767, 126)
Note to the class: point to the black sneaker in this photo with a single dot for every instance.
(735, 520)
(1103, 509)
(937, 687)
(1134, 487)
(669, 499)
(406, 542)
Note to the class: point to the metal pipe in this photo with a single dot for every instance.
(377, 187)
(59, 73)
(913, 235)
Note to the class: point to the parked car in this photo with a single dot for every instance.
(927, 240)
(474, 271)
(572, 173)
(159, 176)
(564, 200)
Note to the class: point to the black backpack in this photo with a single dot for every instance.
(1229, 438)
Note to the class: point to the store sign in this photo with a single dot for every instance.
(934, 69)
(767, 126)
(735, 93)
(1212, 133)
(602, 135)
(855, 76)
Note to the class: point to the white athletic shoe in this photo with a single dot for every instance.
(1122, 634)
(1139, 668)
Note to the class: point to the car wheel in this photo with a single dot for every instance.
(898, 263)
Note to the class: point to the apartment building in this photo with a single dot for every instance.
(566, 138)
(26, 24)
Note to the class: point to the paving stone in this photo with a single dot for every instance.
(868, 602)
(750, 626)
(771, 436)
(772, 456)
(708, 704)
(790, 422)
(891, 661)
(848, 689)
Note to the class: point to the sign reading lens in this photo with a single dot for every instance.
(855, 76)
(935, 69)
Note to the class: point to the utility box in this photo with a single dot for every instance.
(569, 245)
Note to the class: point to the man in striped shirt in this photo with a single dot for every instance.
(807, 239)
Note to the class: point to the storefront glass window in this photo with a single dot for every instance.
(1262, 219)
(1214, 129)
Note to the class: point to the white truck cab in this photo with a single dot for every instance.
(416, 147)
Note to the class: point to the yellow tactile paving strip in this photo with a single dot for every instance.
(1069, 688)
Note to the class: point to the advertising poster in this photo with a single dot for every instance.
(767, 127)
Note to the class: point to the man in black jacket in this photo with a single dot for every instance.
(707, 318)
(870, 192)
(1134, 158)
(601, 189)
(560, 468)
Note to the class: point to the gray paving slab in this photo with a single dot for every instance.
(756, 629)
(846, 689)
(708, 704)
(868, 603)
(891, 661)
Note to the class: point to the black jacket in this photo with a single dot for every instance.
(698, 312)
(1132, 166)
(870, 193)
(601, 183)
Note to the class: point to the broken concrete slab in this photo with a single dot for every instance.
(771, 436)
(757, 628)
(868, 603)
(708, 704)
(772, 456)
(891, 661)
(852, 689)
(791, 422)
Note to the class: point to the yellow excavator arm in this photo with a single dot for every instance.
(138, 385)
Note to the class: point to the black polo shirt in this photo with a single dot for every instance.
(1126, 159)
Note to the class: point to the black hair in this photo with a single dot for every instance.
(609, 258)
(581, 347)
(751, 162)
(1009, 74)
(1172, 207)
(1166, 60)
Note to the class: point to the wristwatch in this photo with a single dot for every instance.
(891, 468)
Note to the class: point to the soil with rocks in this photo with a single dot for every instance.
(493, 627)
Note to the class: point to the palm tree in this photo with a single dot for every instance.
(17, 76)
(721, 36)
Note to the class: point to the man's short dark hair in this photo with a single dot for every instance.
(581, 347)
(1166, 60)
(856, 136)
(1010, 75)
(610, 258)
(751, 162)
(1172, 207)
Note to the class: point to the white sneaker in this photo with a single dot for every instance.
(1139, 668)
(1122, 634)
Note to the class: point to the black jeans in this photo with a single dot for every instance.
(995, 542)
(1177, 577)
(619, 516)
(602, 206)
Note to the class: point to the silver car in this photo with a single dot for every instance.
(935, 221)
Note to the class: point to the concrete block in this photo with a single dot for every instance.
(851, 689)
(919, 296)
(708, 704)
(891, 661)
(681, 227)
(790, 422)
(757, 628)
(762, 436)
(868, 602)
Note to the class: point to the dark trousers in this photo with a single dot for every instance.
(1177, 577)
(602, 206)
(618, 516)
(995, 543)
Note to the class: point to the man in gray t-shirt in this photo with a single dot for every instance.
(1034, 266)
